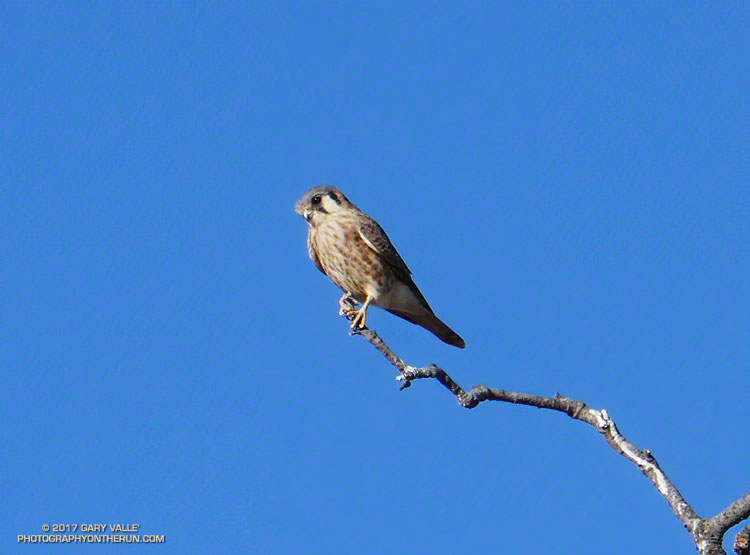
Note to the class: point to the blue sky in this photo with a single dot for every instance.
(569, 184)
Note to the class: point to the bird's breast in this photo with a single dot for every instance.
(350, 263)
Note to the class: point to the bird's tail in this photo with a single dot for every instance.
(443, 332)
(432, 323)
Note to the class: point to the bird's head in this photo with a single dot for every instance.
(320, 201)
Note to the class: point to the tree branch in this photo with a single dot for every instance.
(708, 534)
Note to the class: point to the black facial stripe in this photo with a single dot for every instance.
(321, 209)
(334, 197)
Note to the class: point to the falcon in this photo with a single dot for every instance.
(352, 249)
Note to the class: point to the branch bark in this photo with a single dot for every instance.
(708, 533)
(742, 542)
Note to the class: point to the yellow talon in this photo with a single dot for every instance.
(360, 316)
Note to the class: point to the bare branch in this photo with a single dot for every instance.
(734, 514)
(708, 534)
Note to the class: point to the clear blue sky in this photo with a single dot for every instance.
(569, 184)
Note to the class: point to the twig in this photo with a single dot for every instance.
(742, 542)
(708, 534)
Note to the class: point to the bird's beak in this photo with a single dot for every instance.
(300, 209)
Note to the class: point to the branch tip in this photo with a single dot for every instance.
(742, 542)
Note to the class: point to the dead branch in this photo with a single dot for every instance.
(708, 533)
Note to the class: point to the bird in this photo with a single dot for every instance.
(353, 250)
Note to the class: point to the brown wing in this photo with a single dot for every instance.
(377, 240)
(313, 254)
(375, 237)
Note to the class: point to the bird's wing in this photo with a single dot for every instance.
(374, 236)
(313, 253)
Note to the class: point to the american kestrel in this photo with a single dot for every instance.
(352, 249)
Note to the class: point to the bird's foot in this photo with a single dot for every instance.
(347, 305)
(359, 319)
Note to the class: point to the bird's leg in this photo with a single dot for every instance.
(360, 317)
(347, 304)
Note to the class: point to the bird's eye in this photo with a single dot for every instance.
(316, 199)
